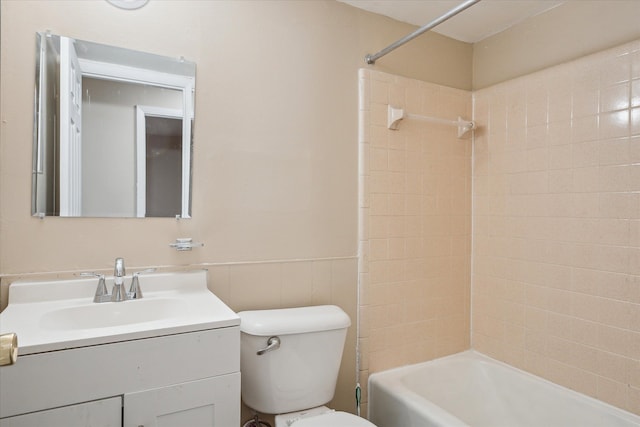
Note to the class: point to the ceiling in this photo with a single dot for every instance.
(472, 25)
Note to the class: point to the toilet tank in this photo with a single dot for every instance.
(303, 371)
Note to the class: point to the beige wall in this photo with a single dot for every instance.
(556, 282)
(275, 132)
(275, 182)
(567, 32)
(415, 225)
(275, 155)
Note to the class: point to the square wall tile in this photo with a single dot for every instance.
(564, 232)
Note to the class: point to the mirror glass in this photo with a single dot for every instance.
(112, 131)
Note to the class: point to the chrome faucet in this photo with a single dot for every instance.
(118, 292)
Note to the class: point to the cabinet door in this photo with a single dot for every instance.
(211, 402)
(100, 413)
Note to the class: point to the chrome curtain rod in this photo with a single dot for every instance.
(371, 59)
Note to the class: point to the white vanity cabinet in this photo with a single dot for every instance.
(190, 379)
(198, 403)
(100, 413)
(170, 359)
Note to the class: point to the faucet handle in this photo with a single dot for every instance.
(90, 274)
(101, 290)
(134, 290)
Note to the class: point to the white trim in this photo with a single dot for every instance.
(186, 152)
(117, 72)
(141, 164)
(70, 177)
(42, 41)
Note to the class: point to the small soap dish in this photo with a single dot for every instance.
(185, 244)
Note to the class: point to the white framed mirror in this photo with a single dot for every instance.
(112, 131)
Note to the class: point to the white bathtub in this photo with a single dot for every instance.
(470, 389)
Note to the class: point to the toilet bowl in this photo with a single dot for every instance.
(320, 417)
(289, 361)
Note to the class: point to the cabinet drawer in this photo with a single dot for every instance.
(58, 378)
(100, 413)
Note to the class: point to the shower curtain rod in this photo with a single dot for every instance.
(395, 115)
(371, 59)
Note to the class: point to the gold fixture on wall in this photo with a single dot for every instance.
(8, 349)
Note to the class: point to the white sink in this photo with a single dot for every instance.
(58, 315)
(106, 315)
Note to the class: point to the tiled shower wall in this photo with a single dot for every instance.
(556, 254)
(415, 224)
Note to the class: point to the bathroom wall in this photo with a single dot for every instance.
(275, 152)
(567, 32)
(276, 189)
(275, 130)
(415, 224)
(556, 224)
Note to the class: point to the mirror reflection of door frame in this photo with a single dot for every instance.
(70, 203)
(108, 71)
(142, 112)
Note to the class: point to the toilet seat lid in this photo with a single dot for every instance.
(335, 419)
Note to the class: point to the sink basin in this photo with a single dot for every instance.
(106, 315)
(56, 315)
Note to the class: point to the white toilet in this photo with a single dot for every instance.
(289, 364)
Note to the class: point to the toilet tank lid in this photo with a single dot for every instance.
(293, 320)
